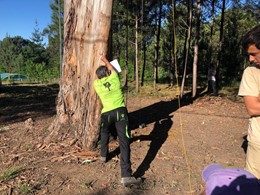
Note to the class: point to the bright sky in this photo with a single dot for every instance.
(17, 17)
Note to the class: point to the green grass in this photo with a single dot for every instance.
(231, 93)
(4, 129)
(25, 189)
(10, 174)
(88, 184)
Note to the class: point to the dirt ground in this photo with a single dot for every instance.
(178, 141)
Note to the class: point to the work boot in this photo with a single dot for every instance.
(127, 181)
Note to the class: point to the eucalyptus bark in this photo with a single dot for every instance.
(86, 31)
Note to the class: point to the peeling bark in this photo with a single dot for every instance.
(86, 30)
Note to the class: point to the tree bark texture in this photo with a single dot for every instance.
(86, 31)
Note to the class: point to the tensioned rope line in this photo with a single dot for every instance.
(179, 101)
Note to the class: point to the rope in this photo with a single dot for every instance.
(179, 101)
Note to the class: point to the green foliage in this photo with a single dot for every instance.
(42, 62)
(7, 55)
(52, 31)
(163, 75)
(18, 55)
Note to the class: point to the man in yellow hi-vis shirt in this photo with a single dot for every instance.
(114, 112)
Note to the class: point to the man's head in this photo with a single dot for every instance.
(251, 43)
(102, 72)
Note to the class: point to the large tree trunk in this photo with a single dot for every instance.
(86, 31)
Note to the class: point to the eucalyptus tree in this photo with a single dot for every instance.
(86, 32)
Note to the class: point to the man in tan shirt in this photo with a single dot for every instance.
(250, 90)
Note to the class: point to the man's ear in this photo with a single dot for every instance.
(108, 72)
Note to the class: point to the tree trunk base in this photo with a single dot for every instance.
(60, 130)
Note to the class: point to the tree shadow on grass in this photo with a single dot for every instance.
(18, 103)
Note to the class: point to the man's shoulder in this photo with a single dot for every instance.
(252, 70)
(114, 74)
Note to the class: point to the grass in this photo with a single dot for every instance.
(231, 93)
(17, 101)
(89, 185)
(25, 189)
(162, 90)
(10, 174)
(4, 129)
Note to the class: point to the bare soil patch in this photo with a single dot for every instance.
(178, 140)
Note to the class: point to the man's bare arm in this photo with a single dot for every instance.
(252, 105)
(107, 63)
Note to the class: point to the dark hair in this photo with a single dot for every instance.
(252, 37)
(102, 72)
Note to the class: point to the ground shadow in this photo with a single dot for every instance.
(240, 186)
(18, 103)
(157, 137)
(157, 111)
(160, 113)
(245, 144)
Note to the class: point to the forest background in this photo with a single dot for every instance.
(150, 46)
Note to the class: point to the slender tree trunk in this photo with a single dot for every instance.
(157, 46)
(143, 45)
(221, 37)
(173, 65)
(144, 64)
(136, 56)
(126, 50)
(196, 50)
(86, 31)
(187, 45)
(211, 30)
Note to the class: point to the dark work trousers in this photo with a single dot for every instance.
(212, 87)
(118, 117)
